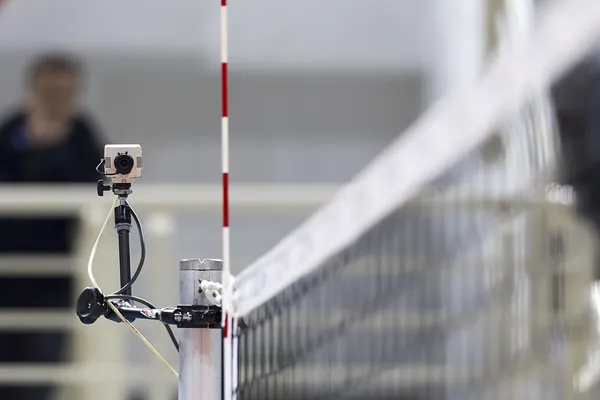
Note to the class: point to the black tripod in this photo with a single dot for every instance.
(123, 226)
(122, 215)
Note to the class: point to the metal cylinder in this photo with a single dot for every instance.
(200, 350)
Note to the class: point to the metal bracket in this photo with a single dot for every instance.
(198, 316)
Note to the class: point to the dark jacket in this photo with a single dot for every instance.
(72, 161)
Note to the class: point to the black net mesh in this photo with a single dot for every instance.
(441, 300)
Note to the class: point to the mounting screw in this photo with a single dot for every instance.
(101, 187)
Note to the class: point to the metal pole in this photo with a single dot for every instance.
(200, 350)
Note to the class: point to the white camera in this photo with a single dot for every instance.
(123, 162)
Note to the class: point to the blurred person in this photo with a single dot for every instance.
(47, 140)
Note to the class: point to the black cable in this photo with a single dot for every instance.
(138, 270)
(119, 294)
(147, 304)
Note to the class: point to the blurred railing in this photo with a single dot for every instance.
(101, 366)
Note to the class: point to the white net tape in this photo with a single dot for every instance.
(566, 31)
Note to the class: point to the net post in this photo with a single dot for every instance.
(200, 349)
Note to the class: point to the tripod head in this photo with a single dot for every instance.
(119, 189)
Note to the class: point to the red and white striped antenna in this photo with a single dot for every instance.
(227, 278)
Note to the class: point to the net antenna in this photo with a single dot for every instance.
(413, 282)
(227, 323)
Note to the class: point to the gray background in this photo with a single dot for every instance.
(318, 88)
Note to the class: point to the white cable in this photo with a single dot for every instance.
(112, 307)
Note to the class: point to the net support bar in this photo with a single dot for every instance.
(200, 350)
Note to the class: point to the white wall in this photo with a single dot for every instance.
(313, 34)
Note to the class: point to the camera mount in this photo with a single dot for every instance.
(122, 213)
(203, 309)
(92, 305)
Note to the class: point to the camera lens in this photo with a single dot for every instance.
(124, 164)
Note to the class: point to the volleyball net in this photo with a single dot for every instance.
(452, 267)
